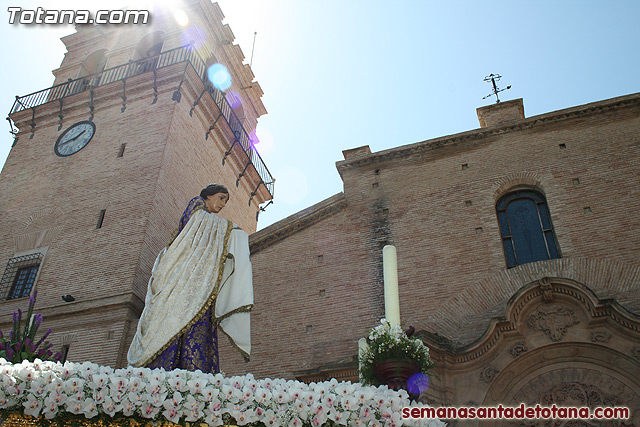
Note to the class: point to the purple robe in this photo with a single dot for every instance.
(197, 348)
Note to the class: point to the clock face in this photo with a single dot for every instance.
(74, 138)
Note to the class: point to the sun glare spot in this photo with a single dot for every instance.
(418, 383)
(181, 17)
(194, 35)
(264, 140)
(234, 99)
(219, 76)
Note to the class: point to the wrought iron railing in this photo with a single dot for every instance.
(110, 75)
(133, 68)
(11, 277)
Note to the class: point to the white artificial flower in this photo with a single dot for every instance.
(155, 387)
(348, 402)
(73, 385)
(32, 405)
(90, 408)
(172, 414)
(191, 403)
(194, 415)
(267, 383)
(318, 420)
(213, 418)
(282, 397)
(158, 399)
(215, 405)
(149, 411)
(98, 381)
(57, 397)
(157, 375)
(209, 392)
(100, 395)
(135, 384)
(110, 407)
(74, 406)
(270, 419)
(119, 383)
(128, 407)
(50, 409)
(174, 402)
(39, 387)
(23, 372)
(196, 385)
(17, 390)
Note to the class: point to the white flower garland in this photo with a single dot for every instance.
(51, 388)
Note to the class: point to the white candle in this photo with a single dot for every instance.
(390, 273)
(362, 347)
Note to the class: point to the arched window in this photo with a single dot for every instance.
(525, 226)
(94, 63)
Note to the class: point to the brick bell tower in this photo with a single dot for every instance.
(107, 158)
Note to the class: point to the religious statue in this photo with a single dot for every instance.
(200, 282)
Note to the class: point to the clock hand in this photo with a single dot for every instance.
(74, 138)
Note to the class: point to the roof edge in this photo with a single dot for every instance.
(480, 133)
(296, 222)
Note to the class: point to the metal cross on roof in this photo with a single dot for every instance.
(493, 78)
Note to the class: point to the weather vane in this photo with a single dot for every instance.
(493, 78)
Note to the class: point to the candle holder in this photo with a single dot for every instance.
(392, 357)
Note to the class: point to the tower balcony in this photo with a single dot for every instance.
(239, 144)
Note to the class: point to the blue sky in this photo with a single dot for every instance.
(338, 74)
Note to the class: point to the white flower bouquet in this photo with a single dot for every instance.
(60, 393)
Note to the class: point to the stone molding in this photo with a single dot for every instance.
(611, 279)
(563, 316)
(295, 223)
(553, 320)
(478, 134)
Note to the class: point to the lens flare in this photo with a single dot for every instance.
(195, 35)
(219, 76)
(417, 383)
(263, 140)
(253, 137)
(181, 17)
(234, 99)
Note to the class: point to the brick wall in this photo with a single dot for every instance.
(435, 201)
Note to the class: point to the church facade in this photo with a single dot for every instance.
(518, 244)
(517, 252)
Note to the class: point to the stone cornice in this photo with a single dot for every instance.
(507, 324)
(296, 222)
(478, 134)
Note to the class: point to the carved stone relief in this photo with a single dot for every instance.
(517, 349)
(488, 374)
(553, 320)
(600, 336)
(577, 387)
(547, 289)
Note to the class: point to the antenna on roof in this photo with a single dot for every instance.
(493, 78)
(253, 48)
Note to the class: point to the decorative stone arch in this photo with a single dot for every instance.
(607, 278)
(149, 44)
(94, 63)
(555, 338)
(569, 374)
(516, 181)
(40, 229)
